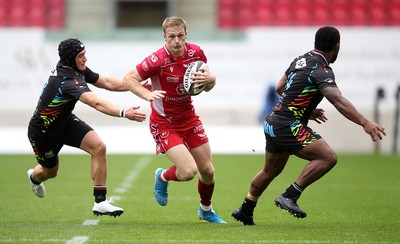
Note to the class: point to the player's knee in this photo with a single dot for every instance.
(330, 159)
(100, 149)
(49, 173)
(187, 174)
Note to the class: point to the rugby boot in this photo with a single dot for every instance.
(290, 205)
(38, 190)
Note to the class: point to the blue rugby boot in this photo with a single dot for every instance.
(160, 188)
(210, 216)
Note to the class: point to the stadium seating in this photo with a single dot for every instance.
(32, 13)
(239, 14)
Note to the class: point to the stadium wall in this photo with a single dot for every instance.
(368, 60)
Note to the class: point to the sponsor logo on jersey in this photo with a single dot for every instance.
(181, 90)
(145, 66)
(301, 63)
(202, 136)
(49, 154)
(191, 52)
(53, 72)
(198, 128)
(328, 80)
(173, 79)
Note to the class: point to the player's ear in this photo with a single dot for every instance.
(337, 47)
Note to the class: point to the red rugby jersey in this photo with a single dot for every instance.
(166, 73)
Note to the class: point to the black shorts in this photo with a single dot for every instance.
(46, 148)
(287, 136)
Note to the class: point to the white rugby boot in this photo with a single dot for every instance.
(105, 208)
(38, 190)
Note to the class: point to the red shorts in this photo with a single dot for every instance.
(167, 137)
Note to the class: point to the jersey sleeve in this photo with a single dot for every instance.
(203, 56)
(75, 87)
(90, 76)
(324, 77)
(149, 66)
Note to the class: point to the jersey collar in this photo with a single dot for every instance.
(172, 57)
(320, 54)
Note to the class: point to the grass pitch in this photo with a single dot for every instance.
(357, 202)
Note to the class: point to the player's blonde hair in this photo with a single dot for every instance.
(173, 21)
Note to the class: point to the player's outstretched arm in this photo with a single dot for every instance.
(106, 107)
(132, 81)
(110, 83)
(347, 109)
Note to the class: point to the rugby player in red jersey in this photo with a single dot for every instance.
(174, 124)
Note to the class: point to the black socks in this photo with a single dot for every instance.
(248, 206)
(99, 193)
(293, 191)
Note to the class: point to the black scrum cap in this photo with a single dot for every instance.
(68, 49)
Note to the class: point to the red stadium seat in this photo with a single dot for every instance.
(18, 13)
(245, 11)
(301, 14)
(377, 10)
(320, 14)
(263, 13)
(56, 11)
(394, 12)
(37, 13)
(4, 10)
(340, 12)
(358, 13)
(226, 14)
(283, 9)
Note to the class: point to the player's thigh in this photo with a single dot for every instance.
(202, 156)
(80, 135)
(92, 144)
(46, 150)
(319, 149)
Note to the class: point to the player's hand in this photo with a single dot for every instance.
(151, 96)
(133, 114)
(202, 77)
(318, 115)
(374, 130)
(146, 84)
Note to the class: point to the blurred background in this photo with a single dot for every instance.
(249, 44)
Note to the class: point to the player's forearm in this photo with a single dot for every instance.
(210, 86)
(116, 84)
(136, 88)
(108, 108)
(347, 109)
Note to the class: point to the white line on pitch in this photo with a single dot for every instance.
(91, 222)
(125, 185)
(131, 177)
(77, 240)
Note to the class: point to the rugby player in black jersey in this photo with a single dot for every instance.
(53, 124)
(305, 83)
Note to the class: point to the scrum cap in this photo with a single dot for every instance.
(68, 49)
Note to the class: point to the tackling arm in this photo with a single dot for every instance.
(110, 83)
(106, 107)
(347, 109)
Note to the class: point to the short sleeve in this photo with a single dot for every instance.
(75, 87)
(90, 76)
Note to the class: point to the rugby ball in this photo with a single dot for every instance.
(193, 89)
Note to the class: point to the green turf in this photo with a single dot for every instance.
(357, 202)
